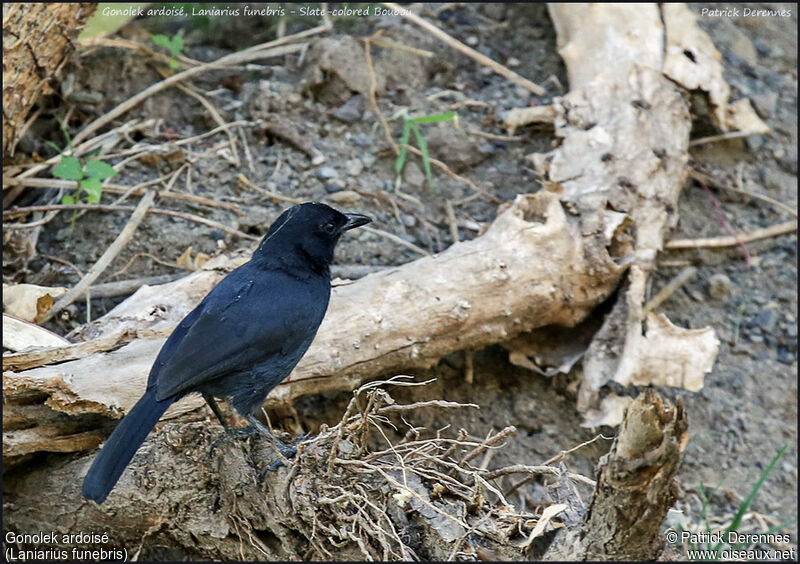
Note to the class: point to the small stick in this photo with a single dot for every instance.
(272, 195)
(720, 137)
(127, 287)
(394, 238)
(451, 218)
(726, 225)
(446, 169)
(386, 44)
(510, 430)
(679, 280)
(469, 366)
(716, 242)
(468, 51)
(102, 263)
(494, 136)
(158, 211)
(711, 181)
(217, 118)
(138, 190)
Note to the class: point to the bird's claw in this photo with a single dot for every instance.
(287, 451)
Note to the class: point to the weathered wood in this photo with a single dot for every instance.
(37, 41)
(635, 487)
(533, 267)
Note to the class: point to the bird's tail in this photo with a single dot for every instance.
(123, 443)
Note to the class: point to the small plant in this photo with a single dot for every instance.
(89, 175)
(713, 551)
(412, 125)
(174, 45)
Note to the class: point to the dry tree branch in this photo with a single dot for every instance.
(102, 263)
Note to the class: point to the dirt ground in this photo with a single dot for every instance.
(748, 408)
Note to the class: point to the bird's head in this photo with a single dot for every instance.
(311, 230)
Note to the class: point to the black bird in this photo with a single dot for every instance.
(243, 339)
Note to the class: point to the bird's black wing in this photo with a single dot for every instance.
(249, 317)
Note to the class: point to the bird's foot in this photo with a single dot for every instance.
(287, 451)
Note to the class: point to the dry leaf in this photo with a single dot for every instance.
(28, 301)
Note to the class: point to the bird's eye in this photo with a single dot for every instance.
(329, 228)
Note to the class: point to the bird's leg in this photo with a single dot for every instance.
(237, 433)
(212, 403)
(283, 448)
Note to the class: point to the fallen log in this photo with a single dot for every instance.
(534, 266)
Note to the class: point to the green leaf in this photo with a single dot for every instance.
(162, 41)
(53, 146)
(69, 169)
(737, 519)
(66, 134)
(68, 200)
(400, 161)
(174, 64)
(100, 170)
(93, 188)
(426, 158)
(176, 45)
(436, 118)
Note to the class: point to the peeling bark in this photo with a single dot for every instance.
(37, 41)
(635, 487)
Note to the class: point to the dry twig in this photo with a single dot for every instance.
(102, 263)
(468, 51)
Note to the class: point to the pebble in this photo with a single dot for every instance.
(326, 173)
(408, 220)
(719, 287)
(412, 174)
(765, 104)
(766, 319)
(472, 40)
(354, 167)
(345, 197)
(351, 111)
(334, 186)
(368, 159)
(363, 140)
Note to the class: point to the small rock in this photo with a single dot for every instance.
(766, 319)
(354, 167)
(334, 186)
(513, 62)
(754, 142)
(765, 104)
(741, 46)
(408, 220)
(363, 140)
(486, 149)
(326, 173)
(719, 287)
(784, 356)
(345, 198)
(412, 174)
(351, 111)
(368, 159)
(472, 40)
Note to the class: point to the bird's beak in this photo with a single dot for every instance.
(355, 220)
